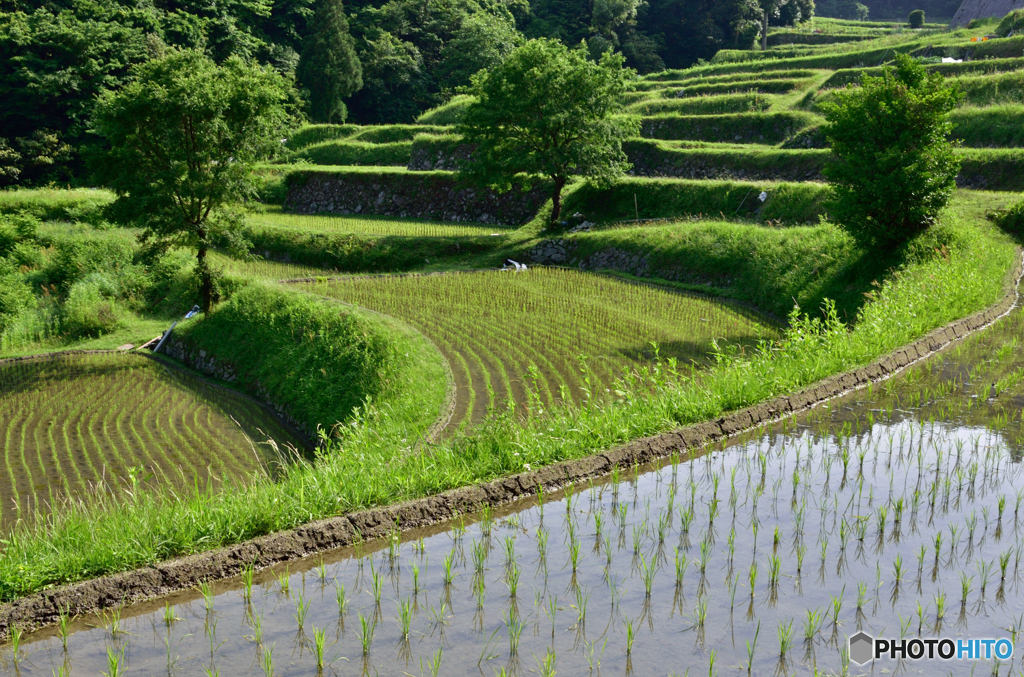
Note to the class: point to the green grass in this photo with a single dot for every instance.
(78, 204)
(768, 267)
(347, 152)
(375, 463)
(757, 162)
(446, 114)
(644, 198)
(308, 135)
(997, 126)
(759, 127)
(322, 361)
(576, 332)
(703, 105)
(273, 217)
(81, 421)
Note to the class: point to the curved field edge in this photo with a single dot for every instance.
(374, 465)
(319, 362)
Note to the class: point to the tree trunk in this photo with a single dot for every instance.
(205, 277)
(764, 32)
(556, 200)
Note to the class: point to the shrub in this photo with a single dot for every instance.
(893, 165)
(15, 295)
(916, 18)
(1011, 23)
(90, 311)
(1012, 219)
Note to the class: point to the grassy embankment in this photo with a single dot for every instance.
(956, 268)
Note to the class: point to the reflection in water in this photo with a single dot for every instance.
(895, 510)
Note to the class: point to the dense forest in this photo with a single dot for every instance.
(887, 10)
(386, 61)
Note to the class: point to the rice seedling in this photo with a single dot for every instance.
(15, 634)
(377, 582)
(574, 553)
(512, 580)
(207, 592)
(301, 609)
(248, 575)
(442, 306)
(405, 617)
(752, 648)
(284, 581)
(514, 626)
(448, 576)
(340, 598)
(64, 620)
(630, 635)
(256, 623)
(267, 660)
(367, 627)
(73, 422)
(116, 665)
(647, 572)
(812, 624)
(785, 632)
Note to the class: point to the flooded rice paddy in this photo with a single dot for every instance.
(75, 424)
(896, 510)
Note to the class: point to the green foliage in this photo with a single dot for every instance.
(307, 135)
(481, 42)
(322, 361)
(356, 153)
(997, 126)
(772, 268)
(15, 295)
(1011, 220)
(916, 18)
(447, 114)
(90, 309)
(55, 204)
(703, 105)
(754, 127)
(894, 165)
(375, 465)
(53, 65)
(547, 111)
(182, 140)
(329, 69)
(1011, 23)
(630, 198)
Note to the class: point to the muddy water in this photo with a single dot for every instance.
(896, 510)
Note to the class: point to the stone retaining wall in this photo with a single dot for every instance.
(153, 581)
(435, 196)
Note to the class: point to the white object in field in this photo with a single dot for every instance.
(763, 196)
(518, 266)
(949, 59)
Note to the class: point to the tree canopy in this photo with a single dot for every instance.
(548, 111)
(893, 166)
(180, 143)
(329, 70)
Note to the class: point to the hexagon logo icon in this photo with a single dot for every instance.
(861, 648)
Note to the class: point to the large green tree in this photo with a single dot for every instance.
(548, 112)
(180, 144)
(893, 165)
(329, 69)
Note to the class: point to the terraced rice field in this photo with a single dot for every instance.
(356, 225)
(557, 333)
(79, 423)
